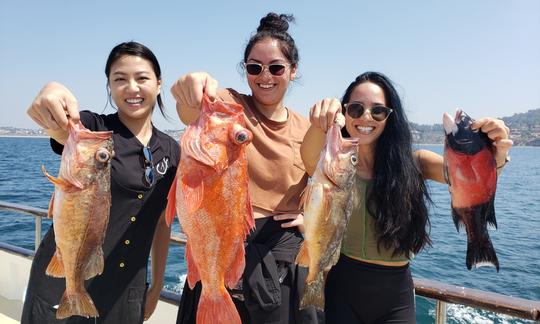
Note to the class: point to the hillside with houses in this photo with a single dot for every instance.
(524, 130)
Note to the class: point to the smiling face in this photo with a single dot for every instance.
(365, 128)
(267, 89)
(134, 87)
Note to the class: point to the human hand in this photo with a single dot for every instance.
(188, 90)
(53, 104)
(297, 219)
(152, 297)
(325, 112)
(499, 133)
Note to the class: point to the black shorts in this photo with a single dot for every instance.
(360, 292)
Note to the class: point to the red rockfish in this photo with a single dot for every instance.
(471, 173)
(80, 209)
(210, 196)
(328, 203)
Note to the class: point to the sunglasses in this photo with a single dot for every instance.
(148, 167)
(274, 69)
(378, 113)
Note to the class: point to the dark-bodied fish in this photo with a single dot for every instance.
(327, 208)
(80, 209)
(471, 173)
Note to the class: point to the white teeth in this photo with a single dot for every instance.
(134, 100)
(365, 130)
(266, 86)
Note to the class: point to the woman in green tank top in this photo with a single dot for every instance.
(372, 283)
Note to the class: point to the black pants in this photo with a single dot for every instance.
(283, 244)
(359, 292)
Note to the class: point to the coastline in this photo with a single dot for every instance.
(25, 136)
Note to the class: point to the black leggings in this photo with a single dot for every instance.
(360, 292)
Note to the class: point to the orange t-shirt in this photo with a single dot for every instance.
(277, 175)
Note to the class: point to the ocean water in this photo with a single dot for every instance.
(517, 206)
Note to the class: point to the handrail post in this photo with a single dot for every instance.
(440, 312)
(37, 240)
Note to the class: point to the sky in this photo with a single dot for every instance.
(482, 56)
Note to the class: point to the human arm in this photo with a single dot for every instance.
(159, 252)
(188, 92)
(322, 115)
(51, 108)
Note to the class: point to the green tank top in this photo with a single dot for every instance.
(360, 239)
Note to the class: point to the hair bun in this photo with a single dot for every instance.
(275, 22)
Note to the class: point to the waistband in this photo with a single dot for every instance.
(371, 266)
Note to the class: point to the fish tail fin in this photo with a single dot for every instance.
(314, 293)
(56, 266)
(481, 254)
(217, 308)
(302, 258)
(95, 264)
(193, 275)
(171, 204)
(236, 269)
(79, 303)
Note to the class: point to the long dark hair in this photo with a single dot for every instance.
(398, 197)
(275, 26)
(135, 49)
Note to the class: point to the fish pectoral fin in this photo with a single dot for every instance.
(193, 275)
(56, 266)
(64, 185)
(303, 255)
(170, 211)
(236, 269)
(326, 203)
(456, 218)
(249, 218)
(95, 264)
(193, 196)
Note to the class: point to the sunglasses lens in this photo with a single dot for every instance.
(253, 69)
(379, 113)
(276, 69)
(355, 110)
(149, 175)
(147, 154)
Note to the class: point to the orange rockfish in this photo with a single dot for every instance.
(210, 194)
(471, 173)
(328, 203)
(80, 209)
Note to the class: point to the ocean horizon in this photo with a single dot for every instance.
(516, 241)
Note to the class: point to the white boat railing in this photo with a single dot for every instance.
(442, 293)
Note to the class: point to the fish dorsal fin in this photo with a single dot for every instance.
(170, 211)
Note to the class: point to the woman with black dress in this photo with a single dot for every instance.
(142, 171)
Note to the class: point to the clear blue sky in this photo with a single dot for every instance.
(483, 56)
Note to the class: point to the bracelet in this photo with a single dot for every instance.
(506, 160)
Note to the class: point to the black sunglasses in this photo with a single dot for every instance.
(148, 167)
(274, 69)
(378, 113)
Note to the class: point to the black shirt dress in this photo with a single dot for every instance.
(119, 291)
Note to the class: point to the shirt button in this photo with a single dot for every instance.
(133, 218)
(122, 264)
(139, 196)
(126, 242)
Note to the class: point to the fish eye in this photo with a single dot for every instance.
(354, 159)
(102, 156)
(241, 137)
